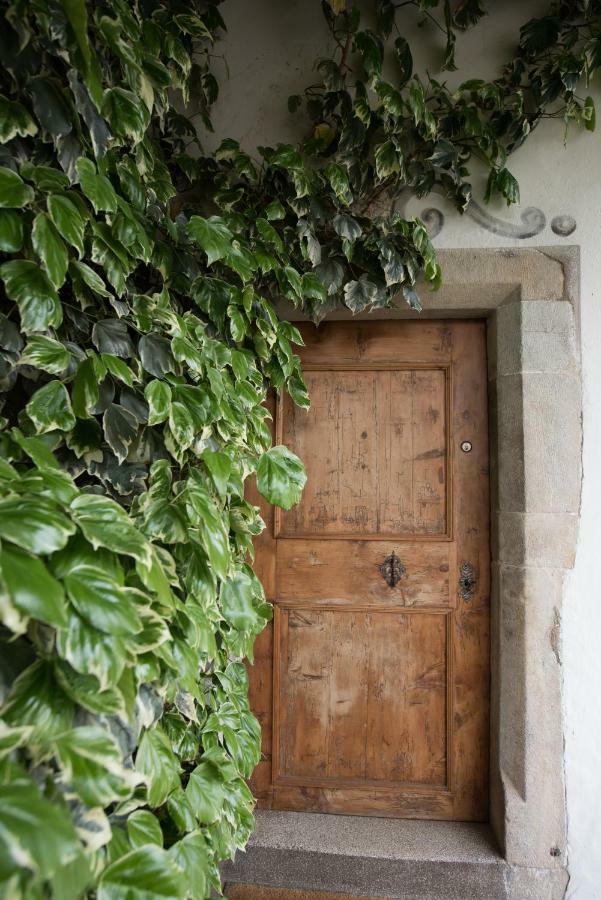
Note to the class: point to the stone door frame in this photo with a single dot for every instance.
(530, 300)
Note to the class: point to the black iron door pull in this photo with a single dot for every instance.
(392, 570)
(467, 582)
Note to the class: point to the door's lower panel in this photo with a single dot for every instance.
(362, 699)
(392, 802)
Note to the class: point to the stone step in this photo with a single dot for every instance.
(261, 892)
(388, 858)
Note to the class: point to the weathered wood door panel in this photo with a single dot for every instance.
(374, 696)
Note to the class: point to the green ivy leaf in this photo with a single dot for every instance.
(503, 182)
(11, 231)
(35, 699)
(294, 280)
(14, 193)
(144, 828)
(121, 371)
(34, 523)
(181, 811)
(237, 322)
(89, 277)
(71, 881)
(158, 762)
(32, 290)
(105, 524)
(331, 275)
(220, 467)
(297, 389)
(281, 477)
(31, 588)
(91, 765)
(158, 397)
(412, 298)
(206, 792)
(91, 652)
(285, 156)
(359, 294)
(339, 182)
(46, 178)
(312, 287)
(156, 355)
(88, 100)
(50, 408)
(212, 235)
(269, 234)
(85, 690)
(50, 248)
(405, 58)
(11, 738)
(192, 855)
(387, 160)
(100, 600)
(76, 13)
(540, 34)
(213, 533)
(237, 596)
(67, 220)
(143, 873)
(86, 390)
(14, 120)
(127, 116)
(45, 353)
(372, 52)
(97, 188)
(181, 424)
(50, 106)
(35, 833)
(275, 211)
(347, 227)
(120, 428)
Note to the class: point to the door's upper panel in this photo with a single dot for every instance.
(374, 444)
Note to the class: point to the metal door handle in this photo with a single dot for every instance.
(467, 582)
(392, 570)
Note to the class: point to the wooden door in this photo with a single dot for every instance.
(373, 684)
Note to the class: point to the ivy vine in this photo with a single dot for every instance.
(138, 340)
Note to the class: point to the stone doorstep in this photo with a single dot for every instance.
(392, 858)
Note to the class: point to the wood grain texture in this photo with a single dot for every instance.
(333, 571)
(374, 448)
(380, 694)
(370, 688)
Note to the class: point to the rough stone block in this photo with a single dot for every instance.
(536, 884)
(552, 442)
(537, 539)
(509, 427)
(535, 336)
(508, 320)
(531, 742)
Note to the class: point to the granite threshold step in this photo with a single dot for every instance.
(262, 892)
(386, 858)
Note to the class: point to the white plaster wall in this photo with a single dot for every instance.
(270, 49)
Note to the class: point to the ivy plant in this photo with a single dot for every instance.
(136, 353)
(138, 340)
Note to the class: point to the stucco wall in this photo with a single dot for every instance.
(270, 51)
